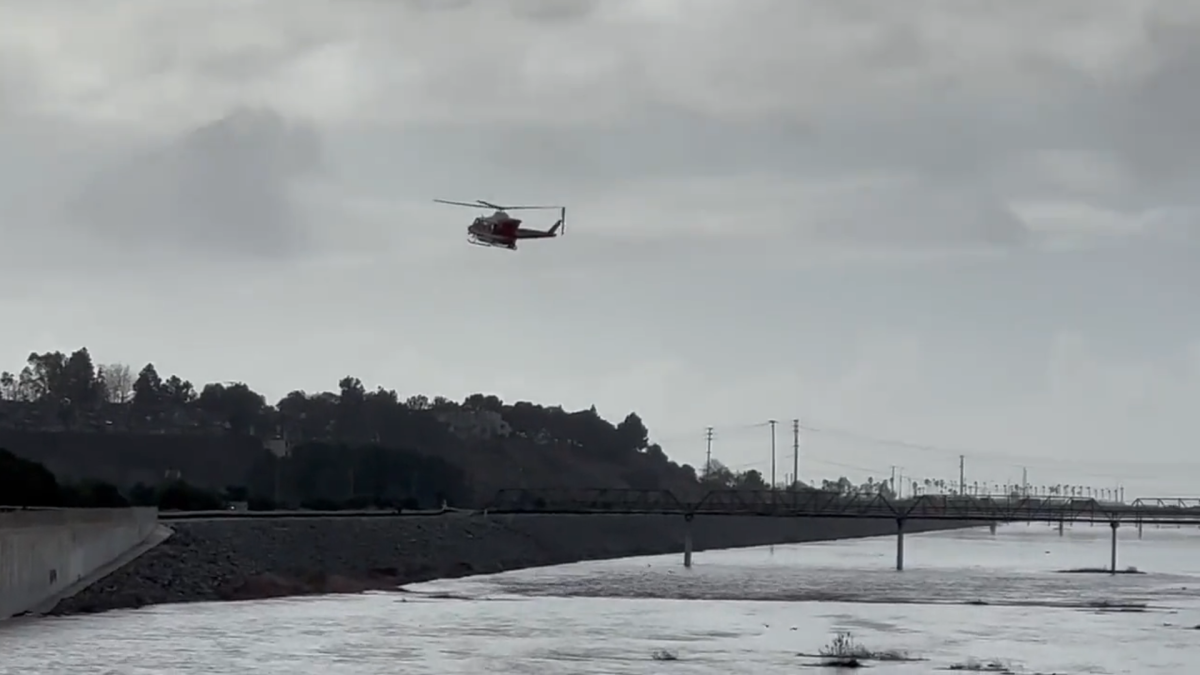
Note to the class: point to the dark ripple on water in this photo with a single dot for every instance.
(781, 584)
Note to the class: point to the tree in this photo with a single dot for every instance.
(43, 373)
(350, 410)
(383, 414)
(177, 392)
(28, 386)
(79, 383)
(719, 477)
(68, 382)
(751, 480)
(118, 382)
(147, 388)
(292, 408)
(841, 486)
(483, 402)
(352, 390)
(632, 433)
(8, 387)
(59, 377)
(240, 406)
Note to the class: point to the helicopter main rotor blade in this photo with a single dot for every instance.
(479, 204)
(446, 201)
(513, 208)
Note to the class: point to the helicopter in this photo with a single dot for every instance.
(501, 230)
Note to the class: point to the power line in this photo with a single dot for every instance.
(1128, 470)
(884, 472)
(1077, 468)
(1018, 461)
(717, 430)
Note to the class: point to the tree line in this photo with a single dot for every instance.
(73, 385)
(482, 443)
(354, 444)
(717, 476)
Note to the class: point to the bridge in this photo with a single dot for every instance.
(820, 504)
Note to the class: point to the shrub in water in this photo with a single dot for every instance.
(844, 652)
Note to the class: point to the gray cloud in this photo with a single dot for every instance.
(966, 222)
(224, 187)
(1155, 130)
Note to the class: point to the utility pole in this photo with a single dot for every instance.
(796, 454)
(962, 475)
(772, 453)
(708, 433)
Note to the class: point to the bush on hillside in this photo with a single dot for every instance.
(93, 495)
(26, 483)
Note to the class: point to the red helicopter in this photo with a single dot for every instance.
(501, 230)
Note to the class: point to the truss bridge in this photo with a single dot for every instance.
(986, 509)
(818, 504)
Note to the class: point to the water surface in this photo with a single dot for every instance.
(965, 594)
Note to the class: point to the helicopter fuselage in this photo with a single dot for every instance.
(498, 229)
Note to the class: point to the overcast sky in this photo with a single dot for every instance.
(967, 223)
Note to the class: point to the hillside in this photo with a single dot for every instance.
(89, 422)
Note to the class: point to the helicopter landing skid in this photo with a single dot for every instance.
(477, 242)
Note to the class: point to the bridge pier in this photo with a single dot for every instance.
(992, 527)
(1139, 528)
(687, 541)
(1060, 528)
(1113, 553)
(899, 544)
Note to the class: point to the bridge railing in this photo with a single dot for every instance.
(832, 504)
(823, 504)
(587, 500)
(773, 502)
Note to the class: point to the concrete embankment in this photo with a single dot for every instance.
(249, 558)
(45, 553)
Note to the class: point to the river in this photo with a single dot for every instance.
(738, 611)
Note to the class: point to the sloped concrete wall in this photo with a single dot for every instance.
(44, 552)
